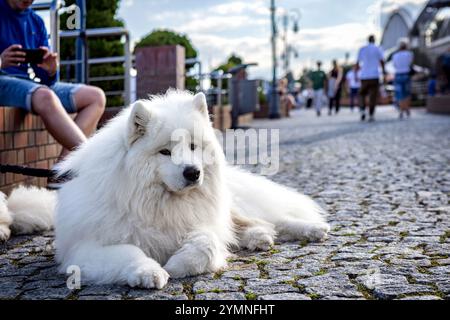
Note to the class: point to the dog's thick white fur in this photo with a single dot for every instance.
(5, 219)
(133, 215)
(32, 209)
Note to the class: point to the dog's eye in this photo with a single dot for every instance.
(193, 146)
(165, 152)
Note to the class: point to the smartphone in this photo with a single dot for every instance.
(33, 56)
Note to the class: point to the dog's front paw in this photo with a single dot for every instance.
(5, 232)
(257, 238)
(317, 231)
(175, 271)
(179, 267)
(148, 275)
(188, 264)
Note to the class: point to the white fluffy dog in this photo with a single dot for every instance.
(142, 207)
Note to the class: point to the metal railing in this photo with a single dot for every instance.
(56, 34)
(216, 94)
(126, 59)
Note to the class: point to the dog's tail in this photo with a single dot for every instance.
(32, 209)
(5, 219)
(259, 197)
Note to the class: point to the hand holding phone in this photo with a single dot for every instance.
(49, 61)
(12, 57)
(33, 56)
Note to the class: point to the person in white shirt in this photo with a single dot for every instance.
(403, 60)
(370, 58)
(353, 79)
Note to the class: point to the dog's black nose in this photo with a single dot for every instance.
(191, 173)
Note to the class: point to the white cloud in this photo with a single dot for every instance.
(240, 7)
(128, 3)
(348, 36)
(215, 24)
(215, 49)
(174, 17)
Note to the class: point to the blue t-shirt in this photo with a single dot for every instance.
(432, 87)
(27, 29)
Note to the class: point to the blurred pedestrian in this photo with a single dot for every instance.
(306, 90)
(446, 70)
(318, 79)
(403, 61)
(432, 85)
(335, 78)
(287, 100)
(353, 78)
(370, 58)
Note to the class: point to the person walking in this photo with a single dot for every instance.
(370, 58)
(353, 79)
(403, 60)
(318, 79)
(446, 70)
(306, 90)
(335, 87)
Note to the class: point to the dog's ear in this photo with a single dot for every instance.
(200, 103)
(137, 123)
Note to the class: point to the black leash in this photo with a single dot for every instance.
(31, 172)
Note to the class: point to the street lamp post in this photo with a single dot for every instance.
(274, 112)
(294, 16)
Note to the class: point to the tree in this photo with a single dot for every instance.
(168, 37)
(99, 14)
(232, 61)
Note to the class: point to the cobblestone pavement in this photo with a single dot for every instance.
(386, 186)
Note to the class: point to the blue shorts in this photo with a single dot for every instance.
(402, 84)
(17, 92)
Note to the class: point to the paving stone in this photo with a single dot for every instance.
(388, 286)
(285, 296)
(9, 290)
(218, 285)
(220, 296)
(161, 296)
(105, 297)
(422, 298)
(47, 294)
(97, 290)
(241, 274)
(330, 284)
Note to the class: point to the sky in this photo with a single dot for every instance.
(217, 28)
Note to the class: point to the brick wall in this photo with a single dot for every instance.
(158, 69)
(24, 141)
(263, 112)
(439, 104)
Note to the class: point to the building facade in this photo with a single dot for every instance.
(428, 33)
